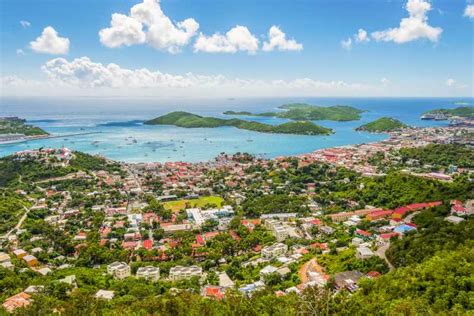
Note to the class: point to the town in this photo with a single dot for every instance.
(73, 222)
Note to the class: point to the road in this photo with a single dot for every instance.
(20, 222)
(381, 253)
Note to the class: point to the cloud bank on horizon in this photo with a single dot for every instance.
(146, 27)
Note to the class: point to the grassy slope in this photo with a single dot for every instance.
(175, 206)
(383, 124)
(189, 120)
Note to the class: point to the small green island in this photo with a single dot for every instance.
(18, 126)
(381, 125)
(190, 120)
(303, 111)
(445, 114)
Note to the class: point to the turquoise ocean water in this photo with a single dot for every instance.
(117, 131)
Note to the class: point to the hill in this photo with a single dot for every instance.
(18, 126)
(462, 111)
(190, 120)
(303, 111)
(383, 124)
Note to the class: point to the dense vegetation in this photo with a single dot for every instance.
(19, 127)
(189, 120)
(440, 154)
(397, 189)
(303, 111)
(463, 111)
(28, 170)
(10, 207)
(383, 124)
(278, 203)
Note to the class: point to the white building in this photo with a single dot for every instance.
(364, 253)
(274, 250)
(180, 272)
(104, 294)
(149, 273)
(279, 230)
(201, 216)
(119, 270)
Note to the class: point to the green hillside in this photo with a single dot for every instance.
(383, 124)
(19, 127)
(189, 120)
(303, 111)
(463, 111)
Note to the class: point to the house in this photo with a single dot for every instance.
(104, 294)
(19, 300)
(4, 257)
(30, 260)
(454, 219)
(363, 234)
(225, 281)
(119, 270)
(180, 272)
(213, 291)
(274, 250)
(376, 215)
(149, 273)
(19, 253)
(364, 253)
(267, 271)
(347, 280)
(403, 229)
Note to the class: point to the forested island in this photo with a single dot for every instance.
(190, 120)
(303, 111)
(14, 125)
(383, 124)
(444, 114)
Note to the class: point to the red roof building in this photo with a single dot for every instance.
(148, 244)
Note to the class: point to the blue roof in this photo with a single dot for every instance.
(403, 228)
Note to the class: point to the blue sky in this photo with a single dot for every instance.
(435, 59)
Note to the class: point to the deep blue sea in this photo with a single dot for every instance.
(117, 131)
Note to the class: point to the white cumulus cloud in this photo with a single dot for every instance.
(414, 27)
(49, 42)
(24, 24)
(147, 23)
(347, 44)
(361, 36)
(239, 38)
(469, 11)
(277, 40)
(123, 30)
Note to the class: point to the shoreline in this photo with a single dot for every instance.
(48, 136)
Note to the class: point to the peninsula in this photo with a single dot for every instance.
(381, 125)
(303, 111)
(190, 120)
(15, 125)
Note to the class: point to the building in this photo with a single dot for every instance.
(279, 230)
(225, 281)
(119, 270)
(149, 273)
(30, 260)
(19, 253)
(347, 280)
(104, 294)
(376, 215)
(340, 217)
(19, 300)
(180, 272)
(454, 219)
(274, 250)
(364, 253)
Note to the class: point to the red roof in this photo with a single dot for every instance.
(214, 291)
(363, 233)
(373, 274)
(388, 235)
(315, 222)
(199, 239)
(148, 244)
(210, 235)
